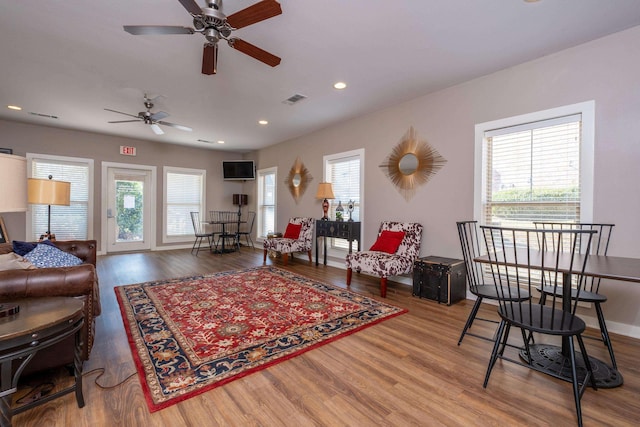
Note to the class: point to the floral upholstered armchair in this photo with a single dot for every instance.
(298, 237)
(393, 253)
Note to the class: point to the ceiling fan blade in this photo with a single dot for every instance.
(120, 112)
(210, 59)
(258, 12)
(124, 121)
(156, 129)
(158, 116)
(191, 6)
(254, 52)
(145, 30)
(173, 125)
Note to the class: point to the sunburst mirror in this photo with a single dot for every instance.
(412, 163)
(298, 179)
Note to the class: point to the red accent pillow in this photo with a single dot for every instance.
(388, 241)
(292, 231)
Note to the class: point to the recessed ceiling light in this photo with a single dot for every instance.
(220, 142)
(340, 85)
(14, 107)
(263, 122)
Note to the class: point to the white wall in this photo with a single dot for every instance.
(606, 70)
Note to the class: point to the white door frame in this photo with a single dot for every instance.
(150, 212)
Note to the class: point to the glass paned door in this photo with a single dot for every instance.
(127, 210)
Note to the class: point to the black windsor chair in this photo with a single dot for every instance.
(590, 293)
(471, 245)
(200, 234)
(521, 260)
(246, 229)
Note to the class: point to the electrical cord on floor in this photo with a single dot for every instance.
(102, 371)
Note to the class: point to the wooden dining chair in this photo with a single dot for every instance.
(470, 243)
(520, 260)
(591, 292)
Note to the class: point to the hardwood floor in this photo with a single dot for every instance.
(405, 371)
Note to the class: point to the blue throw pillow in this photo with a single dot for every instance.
(23, 248)
(46, 255)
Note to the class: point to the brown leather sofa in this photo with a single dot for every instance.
(80, 281)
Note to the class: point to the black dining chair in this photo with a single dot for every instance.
(591, 292)
(520, 260)
(246, 228)
(470, 242)
(200, 234)
(227, 233)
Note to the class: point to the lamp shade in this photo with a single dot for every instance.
(13, 177)
(240, 199)
(325, 191)
(49, 192)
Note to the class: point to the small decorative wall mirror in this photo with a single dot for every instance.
(411, 163)
(298, 179)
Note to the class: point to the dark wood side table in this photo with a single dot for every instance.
(40, 323)
(349, 230)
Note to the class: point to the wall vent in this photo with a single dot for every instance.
(293, 99)
(48, 116)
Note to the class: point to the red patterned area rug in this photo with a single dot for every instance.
(191, 334)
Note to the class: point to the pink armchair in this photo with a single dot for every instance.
(287, 246)
(385, 264)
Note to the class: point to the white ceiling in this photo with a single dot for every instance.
(72, 59)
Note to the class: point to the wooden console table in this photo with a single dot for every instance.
(40, 323)
(348, 230)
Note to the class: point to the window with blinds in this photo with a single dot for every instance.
(532, 172)
(184, 193)
(67, 222)
(344, 172)
(266, 202)
(344, 175)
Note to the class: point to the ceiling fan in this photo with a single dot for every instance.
(153, 119)
(215, 26)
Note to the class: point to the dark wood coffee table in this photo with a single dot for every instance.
(40, 323)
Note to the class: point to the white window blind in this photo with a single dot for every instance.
(67, 222)
(266, 202)
(344, 174)
(532, 172)
(184, 194)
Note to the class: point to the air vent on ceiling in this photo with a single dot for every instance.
(293, 99)
(204, 140)
(48, 116)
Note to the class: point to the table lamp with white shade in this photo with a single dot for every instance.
(49, 192)
(325, 191)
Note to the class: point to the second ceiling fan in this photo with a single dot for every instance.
(216, 26)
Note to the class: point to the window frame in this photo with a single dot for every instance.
(338, 248)
(587, 149)
(261, 232)
(55, 159)
(165, 205)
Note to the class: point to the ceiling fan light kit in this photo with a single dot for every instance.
(216, 26)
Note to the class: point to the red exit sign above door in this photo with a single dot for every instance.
(127, 151)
